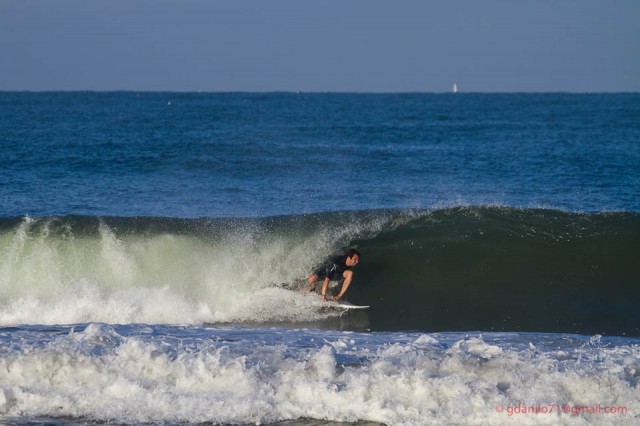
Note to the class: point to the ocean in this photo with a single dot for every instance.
(153, 247)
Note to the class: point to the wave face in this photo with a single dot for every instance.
(505, 269)
(466, 268)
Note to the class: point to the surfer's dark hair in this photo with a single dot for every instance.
(351, 252)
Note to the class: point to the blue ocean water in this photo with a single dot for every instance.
(212, 155)
(151, 246)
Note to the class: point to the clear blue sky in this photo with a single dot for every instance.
(323, 45)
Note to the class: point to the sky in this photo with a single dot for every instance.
(321, 46)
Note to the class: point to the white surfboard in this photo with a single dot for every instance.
(342, 305)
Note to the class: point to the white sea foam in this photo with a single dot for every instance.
(261, 376)
(61, 277)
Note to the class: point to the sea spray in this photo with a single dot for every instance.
(155, 270)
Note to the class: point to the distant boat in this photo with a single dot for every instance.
(455, 88)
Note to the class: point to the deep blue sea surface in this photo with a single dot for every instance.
(152, 246)
(212, 155)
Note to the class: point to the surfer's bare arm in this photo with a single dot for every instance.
(325, 286)
(345, 285)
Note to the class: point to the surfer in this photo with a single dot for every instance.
(335, 268)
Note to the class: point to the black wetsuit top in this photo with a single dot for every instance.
(332, 268)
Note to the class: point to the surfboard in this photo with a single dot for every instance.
(342, 305)
(330, 304)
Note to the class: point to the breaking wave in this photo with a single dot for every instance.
(466, 268)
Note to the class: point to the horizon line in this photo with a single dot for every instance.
(346, 92)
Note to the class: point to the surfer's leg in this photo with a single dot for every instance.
(311, 281)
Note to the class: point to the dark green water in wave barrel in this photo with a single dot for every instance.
(504, 270)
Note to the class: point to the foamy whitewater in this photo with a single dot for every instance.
(153, 249)
(74, 270)
(169, 374)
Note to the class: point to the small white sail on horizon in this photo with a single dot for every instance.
(455, 88)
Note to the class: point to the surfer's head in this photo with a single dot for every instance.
(353, 257)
